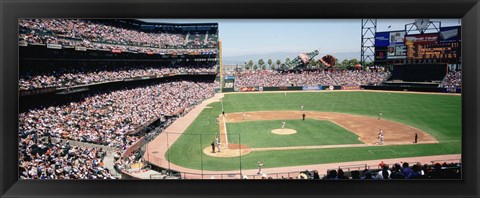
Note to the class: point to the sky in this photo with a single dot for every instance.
(259, 36)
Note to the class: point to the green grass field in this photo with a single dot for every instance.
(439, 115)
(257, 134)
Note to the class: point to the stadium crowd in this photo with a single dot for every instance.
(42, 159)
(108, 118)
(453, 80)
(95, 35)
(72, 76)
(309, 78)
(48, 39)
(401, 170)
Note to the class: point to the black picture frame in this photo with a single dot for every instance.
(467, 10)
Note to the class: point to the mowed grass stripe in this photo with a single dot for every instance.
(257, 134)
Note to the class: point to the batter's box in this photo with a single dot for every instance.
(377, 151)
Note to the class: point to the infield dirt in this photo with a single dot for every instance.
(365, 127)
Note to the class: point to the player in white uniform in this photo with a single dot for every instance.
(218, 143)
(380, 137)
(244, 115)
(283, 124)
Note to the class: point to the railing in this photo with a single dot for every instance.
(85, 144)
(447, 160)
(237, 175)
(354, 167)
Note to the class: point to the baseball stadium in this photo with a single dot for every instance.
(134, 99)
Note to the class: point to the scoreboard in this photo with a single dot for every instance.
(399, 48)
(434, 51)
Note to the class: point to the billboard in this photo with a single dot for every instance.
(396, 52)
(312, 88)
(382, 39)
(380, 53)
(54, 46)
(421, 39)
(450, 34)
(229, 77)
(397, 38)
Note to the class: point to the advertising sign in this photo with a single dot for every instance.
(397, 38)
(380, 53)
(79, 48)
(396, 52)
(450, 34)
(229, 77)
(421, 39)
(23, 43)
(54, 46)
(350, 87)
(312, 87)
(382, 39)
(248, 89)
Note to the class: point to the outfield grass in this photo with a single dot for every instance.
(257, 134)
(439, 115)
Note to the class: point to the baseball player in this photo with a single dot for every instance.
(260, 165)
(379, 115)
(218, 143)
(301, 108)
(213, 146)
(217, 121)
(283, 124)
(244, 115)
(380, 139)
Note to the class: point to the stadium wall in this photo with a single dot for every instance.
(412, 88)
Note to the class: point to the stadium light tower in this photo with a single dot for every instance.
(369, 28)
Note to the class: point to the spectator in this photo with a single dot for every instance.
(396, 173)
(341, 174)
(406, 170)
(355, 174)
(384, 173)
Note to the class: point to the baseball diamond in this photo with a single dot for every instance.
(150, 99)
(336, 130)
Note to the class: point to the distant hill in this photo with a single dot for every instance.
(233, 60)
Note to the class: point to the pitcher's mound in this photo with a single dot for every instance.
(284, 131)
